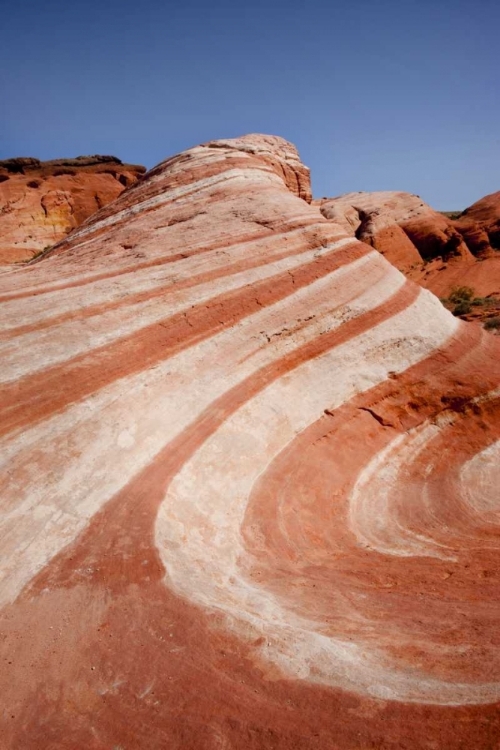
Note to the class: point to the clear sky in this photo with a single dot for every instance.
(376, 94)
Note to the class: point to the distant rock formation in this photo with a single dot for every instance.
(400, 225)
(480, 225)
(41, 202)
(436, 251)
(250, 475)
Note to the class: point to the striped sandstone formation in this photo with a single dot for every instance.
(249, 481)
(42, 201)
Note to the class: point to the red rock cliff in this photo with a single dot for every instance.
(41, 202)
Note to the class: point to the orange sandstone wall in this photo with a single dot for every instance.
(41, 202)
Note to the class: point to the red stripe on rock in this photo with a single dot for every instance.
(35, 397)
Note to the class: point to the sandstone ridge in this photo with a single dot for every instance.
(249, 480)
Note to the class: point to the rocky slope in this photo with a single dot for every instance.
(436, 251)
(41, 202)
(249, 487)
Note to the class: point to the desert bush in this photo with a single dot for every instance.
(492, 323)
(462, 308)
(483, 301)
(462, 300)
(461, 294)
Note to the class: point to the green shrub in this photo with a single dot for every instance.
(492, 324)
(462, 308)
(483, 301)
(461, 294)
(462, 300)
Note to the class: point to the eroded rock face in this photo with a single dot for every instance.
(482, 220)
(249, 480)
(41, 202)
(400, 225)
(436, 251)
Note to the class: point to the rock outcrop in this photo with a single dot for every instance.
(41, 202)
(399, 225)
(438, 252)
(480, 225)
(249, 489)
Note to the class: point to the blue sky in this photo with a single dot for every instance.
(376, 94)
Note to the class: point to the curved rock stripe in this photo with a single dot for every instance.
(245, 465)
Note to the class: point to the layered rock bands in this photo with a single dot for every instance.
(249, 481)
